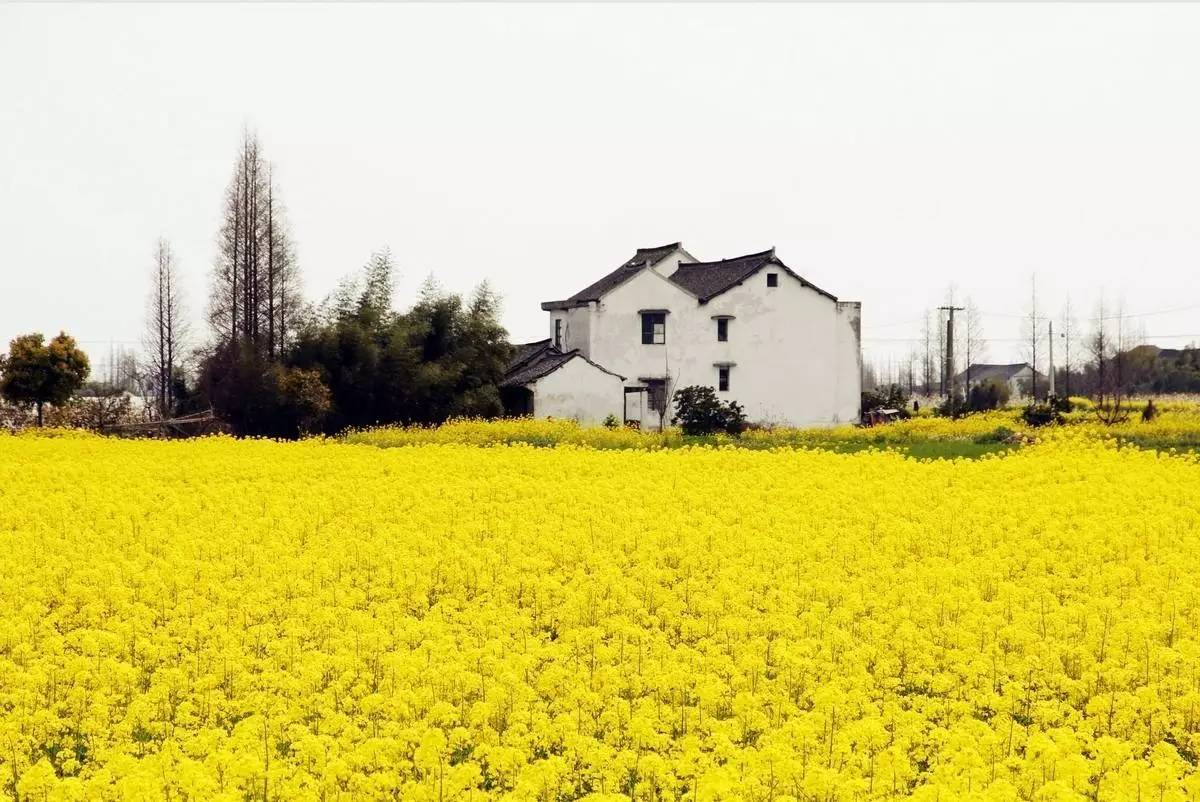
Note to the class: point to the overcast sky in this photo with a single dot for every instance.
(885, 151)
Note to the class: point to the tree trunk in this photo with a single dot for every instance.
(39, 413)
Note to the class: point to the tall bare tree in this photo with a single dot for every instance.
(166, 328)
(1069, 331)
(1032, 334)
(1105, 345)
(927, 354)
(975, 346)
(255, 294)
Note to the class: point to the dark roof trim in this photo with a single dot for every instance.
(641, 259)
(724, 364)
(654, 311)
(707, 280)
(724, 317)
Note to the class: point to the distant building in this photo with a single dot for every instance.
(749, 327)
(1018, 377)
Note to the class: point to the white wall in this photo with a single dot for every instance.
(797, 352)
(580, 391)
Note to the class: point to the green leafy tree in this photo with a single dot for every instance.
(698, 411)
(36, 373)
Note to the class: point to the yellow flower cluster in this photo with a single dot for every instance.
(225, 620)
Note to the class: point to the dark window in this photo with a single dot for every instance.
(558, 333)
(722, 329)
(772, 279)
(656, 394)
(723, 378)
(654, 328)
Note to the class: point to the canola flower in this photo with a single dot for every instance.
(1177, 425)
(231, 620)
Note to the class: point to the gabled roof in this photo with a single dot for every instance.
(631, 268)
(534, 360)
(707, 280)
(982, 373)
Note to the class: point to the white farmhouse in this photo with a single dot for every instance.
(1018, 376)
(749, 327)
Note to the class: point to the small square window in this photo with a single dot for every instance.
(654, 328)
(723, 378)
(722, 330)
(772, 279)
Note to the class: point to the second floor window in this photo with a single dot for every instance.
(723, 378)
(722, 329)
(654, 328)
(558, 333)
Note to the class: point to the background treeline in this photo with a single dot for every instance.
(271, 362)
(280, 367)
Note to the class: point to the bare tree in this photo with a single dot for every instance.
(255, 294)
(1106, 351)
(1032, 333)
(1069, 331)
(166, 329)
(975, 346)
(927, 356)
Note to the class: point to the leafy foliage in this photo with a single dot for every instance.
(36, 373)
(698, 411)
(890, 396)
(1052, 411)
(988, 395)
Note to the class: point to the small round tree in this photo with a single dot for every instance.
(700, 412)
(36, 373)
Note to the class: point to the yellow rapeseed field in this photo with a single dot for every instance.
(249, 620)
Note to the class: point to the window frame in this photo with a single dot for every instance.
(722, 329)
(723, 372)
(651, 322)
(772, 280)
(558, 331)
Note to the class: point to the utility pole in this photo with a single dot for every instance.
(1051, 357)
(950, 355)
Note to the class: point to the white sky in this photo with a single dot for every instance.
(884, 150)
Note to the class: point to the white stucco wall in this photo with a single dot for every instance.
(795, 353)
(580, 391)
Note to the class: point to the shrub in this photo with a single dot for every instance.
(890, 396)
(698, 411)
(611, 422)
(987, 395)
(1049, 412)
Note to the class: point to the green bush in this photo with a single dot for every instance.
(698, 411)
(891, 396)
(987, 395)
(1047, 413)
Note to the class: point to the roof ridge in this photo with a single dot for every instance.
(668, 246)
(770, 252)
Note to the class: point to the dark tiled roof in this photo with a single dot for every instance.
(616, 278)
(537, 359)
(982, 373)
(523, 352)
(707, 280)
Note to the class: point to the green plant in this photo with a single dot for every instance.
(1047, 413)
(990, 394)
(36, 373)
(698, 411)
(611, 422)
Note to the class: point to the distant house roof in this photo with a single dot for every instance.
(532, 361)
(628, 270)
(1004, 373)
(706, 280)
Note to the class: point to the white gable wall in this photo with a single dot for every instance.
(796, 353)
(580, 391)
